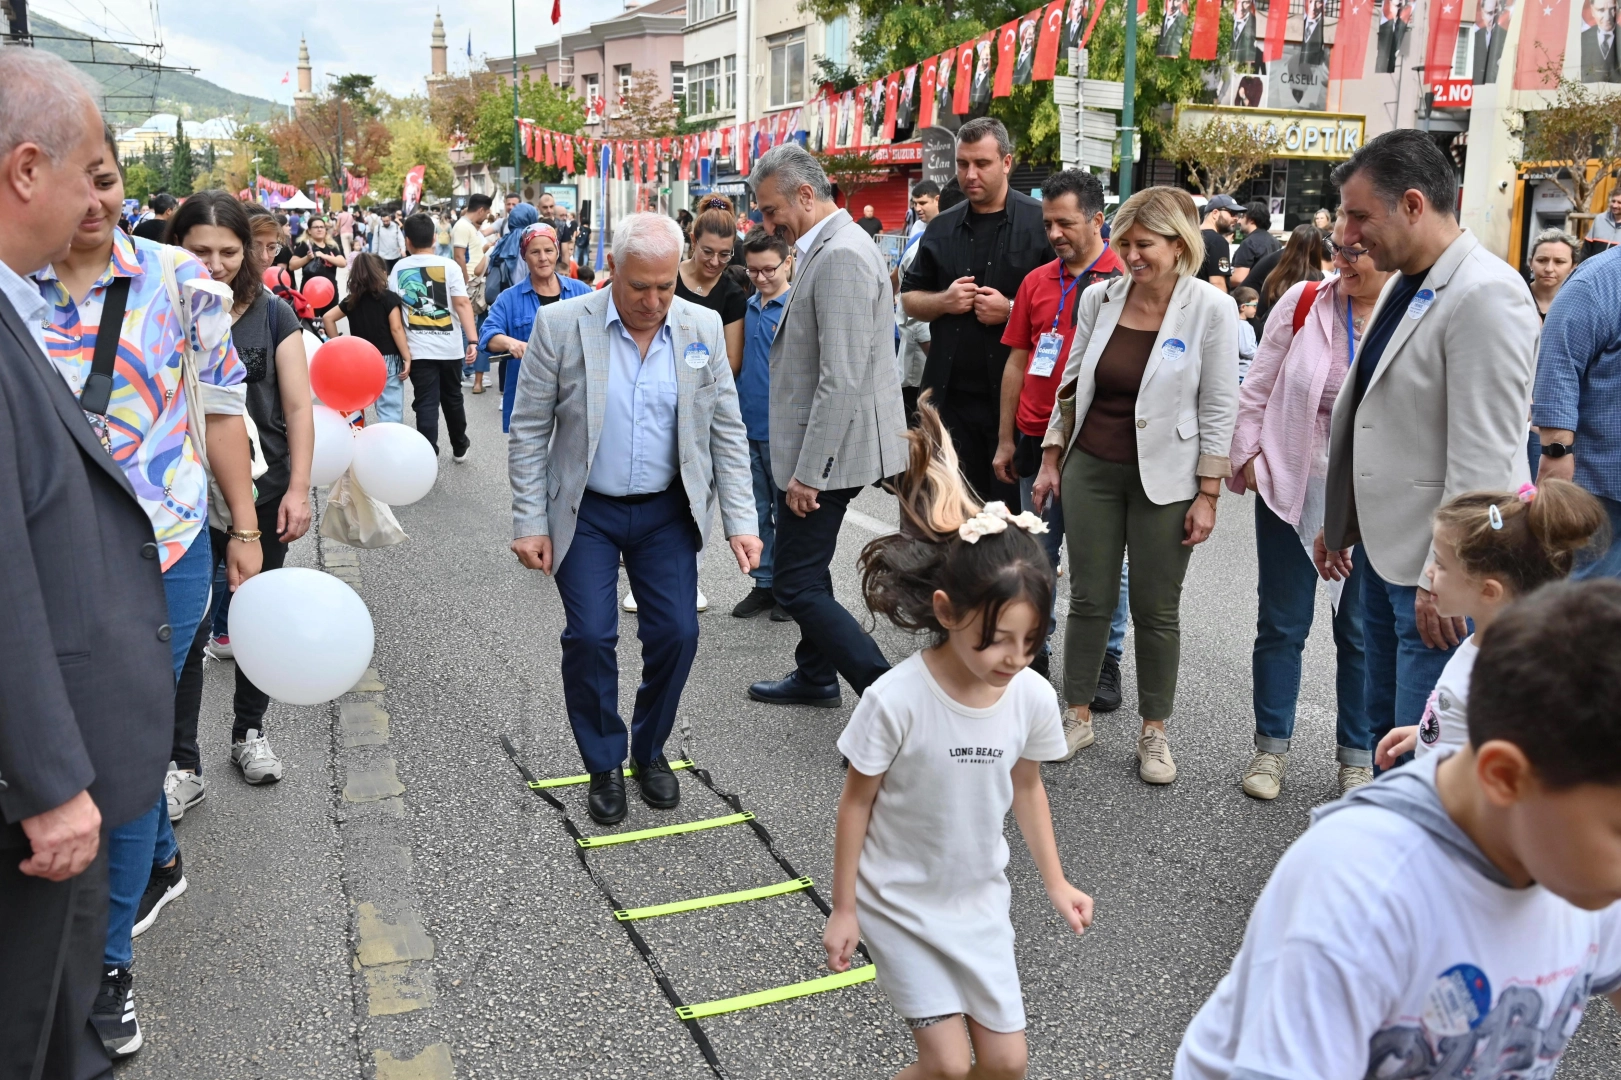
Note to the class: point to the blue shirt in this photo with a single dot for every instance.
(1579, 371)
(1379, 334)
(754, 381)
(32, 308)
(513, 314)
(636, 451)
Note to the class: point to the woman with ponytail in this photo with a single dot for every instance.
(703, 279)
(940, 747)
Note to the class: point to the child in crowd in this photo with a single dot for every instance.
(1453, 917)
(1248, 300)
(1490, 550)
(939, 749)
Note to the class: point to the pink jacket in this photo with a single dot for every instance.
(1292, 380)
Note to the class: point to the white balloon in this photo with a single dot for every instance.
(334, 446)
(302, 636)
(395, 463)
(311, 343)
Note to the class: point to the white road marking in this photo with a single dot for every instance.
(868, 522)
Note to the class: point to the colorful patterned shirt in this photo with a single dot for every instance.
(146, 423)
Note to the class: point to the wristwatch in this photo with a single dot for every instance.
(247, 536)
(1558, 450)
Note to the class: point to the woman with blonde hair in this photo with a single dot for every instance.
(1137, 450)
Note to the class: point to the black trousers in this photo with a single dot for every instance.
(437, 384)
(973, 429)
(250, 702)
(831, 641)
(50, 969)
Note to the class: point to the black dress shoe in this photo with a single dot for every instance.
(758, 600)
(796, 691)
(1107, 698)
(657, 783)
(606, 802)
(1042, 665)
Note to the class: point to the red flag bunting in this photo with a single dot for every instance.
(1207, 28)
(1349, 56)
(1052, 25)
(925, 103)
(1277, 28)
(964, 77)
(1007, 42)
(1443, 38)
(892, 96)
(1542, 45)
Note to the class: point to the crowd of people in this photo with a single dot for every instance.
(1431, 436)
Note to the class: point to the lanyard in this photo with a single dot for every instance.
(1350, 336)
(1063, 292)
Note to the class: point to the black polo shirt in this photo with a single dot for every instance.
(999, 251)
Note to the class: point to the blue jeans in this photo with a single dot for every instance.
(765, 508)
(1053, 541)
(1288, 598)
(137, 846)
(391, 406)
(1402, 670)
(1607, 564)
(657, 539)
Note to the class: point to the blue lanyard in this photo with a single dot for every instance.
(1063, 291)
(1350, 336)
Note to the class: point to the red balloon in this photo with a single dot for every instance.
(348, 373)
(277, 277)
(319, 291)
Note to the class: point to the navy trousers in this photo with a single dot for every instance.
(657, 539)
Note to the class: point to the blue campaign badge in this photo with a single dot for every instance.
(1420, 303)
(1459, 1000)
(1173, 349)
(697, 355)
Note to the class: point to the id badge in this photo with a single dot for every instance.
(1045, 357)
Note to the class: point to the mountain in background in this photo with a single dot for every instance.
(134, 94)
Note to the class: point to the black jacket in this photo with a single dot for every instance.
(942, 258)
(87, 684)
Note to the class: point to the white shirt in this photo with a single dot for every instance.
(1385, 944)
(429, 284)
(32, 308)
(804, 242)
(1446, 714)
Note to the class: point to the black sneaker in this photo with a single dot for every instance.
(757, 601)
(113, 1015)
(1107, 698)
(1042, 665)
(779, 615)
(165, 884)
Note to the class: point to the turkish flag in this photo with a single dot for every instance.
(1443, 40)
(703, 144)
(557, 12)
(1052, 25)
(1350, 53)
(1007, 41)
(925, 103)
(892, 96)
(858, 119)
(547, 154)
(652, 161)
(1546, 22)
(965, 77)
(1277, 27)
(1206, 29)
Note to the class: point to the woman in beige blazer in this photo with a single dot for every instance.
(1137, 450)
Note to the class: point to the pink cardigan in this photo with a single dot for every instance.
(1284, 390)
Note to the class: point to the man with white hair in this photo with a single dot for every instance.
(625, 434)
(87, 691)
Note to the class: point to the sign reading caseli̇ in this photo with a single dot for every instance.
(1321, 135)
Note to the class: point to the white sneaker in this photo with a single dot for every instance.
(259, 764)
(629, 603)
(184, 789)
(219, 647)
(1154, 762)
(1264, 777)
(1353, 777)
(1078, 733)
(703, 601)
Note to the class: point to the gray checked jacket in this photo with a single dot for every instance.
(557, 420)
(836, 415)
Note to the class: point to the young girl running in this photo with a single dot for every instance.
(1491, 549)
(939, 748)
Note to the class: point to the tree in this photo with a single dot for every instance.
(414, 142)
(645, 112)
(308, 145)
(1575, 142)
(1220, 154)
(453, 105)
(182, 171)
(141, 180)
(545, 104)
(852, 170)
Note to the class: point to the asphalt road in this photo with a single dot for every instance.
(254, 973)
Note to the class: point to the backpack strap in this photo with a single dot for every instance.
(97, 392)
(1308, 297)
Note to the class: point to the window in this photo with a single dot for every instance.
(593, 97)
(1463, 54)
(678, 82)
(711, 86)
(622, 80)
(703, 10)
(787, 69)
(836, 39)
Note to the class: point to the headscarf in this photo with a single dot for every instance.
(523, 215)
(535, 232)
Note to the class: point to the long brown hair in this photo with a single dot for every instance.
(368, 275)
(225, 211)
(1528, 541)
(1302, 260)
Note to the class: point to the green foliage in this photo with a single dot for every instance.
(357, 90)
(1161, 83)
(491, 137)
(415, 142)
(254, 141)
(141, 180)
(182, 171)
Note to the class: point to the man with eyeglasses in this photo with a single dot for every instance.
(770, 262)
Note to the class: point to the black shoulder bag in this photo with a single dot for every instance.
(97, 392)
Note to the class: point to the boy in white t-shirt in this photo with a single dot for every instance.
(1452, 918)
(441, 331)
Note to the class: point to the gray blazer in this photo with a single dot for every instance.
(87, 686)
(836, 415)
(1445, 412)
(557, 419)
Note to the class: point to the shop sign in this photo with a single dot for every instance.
(1452, 93)
(1321, 136)
(898, 154)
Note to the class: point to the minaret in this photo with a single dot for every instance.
(305, 96)
(437, 71)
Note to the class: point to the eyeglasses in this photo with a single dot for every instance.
(1348, 254)
(765, 271)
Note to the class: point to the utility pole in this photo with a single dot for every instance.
(1128, 107)
(517, 135)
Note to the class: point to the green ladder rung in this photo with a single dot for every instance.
(781, 888)
(583, 778)
(853, 977)
(664, 830)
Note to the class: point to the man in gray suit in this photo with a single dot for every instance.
(86, 690)
(836, 418)
(1435, 406)
(625, 434)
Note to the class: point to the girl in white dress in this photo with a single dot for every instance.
(939, 748)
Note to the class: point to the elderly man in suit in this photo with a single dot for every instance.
(836, 418)
(1435, 407)
(625, 434)
(1601, 46)
(86, 690)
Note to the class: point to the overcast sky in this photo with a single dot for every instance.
(249, 47)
